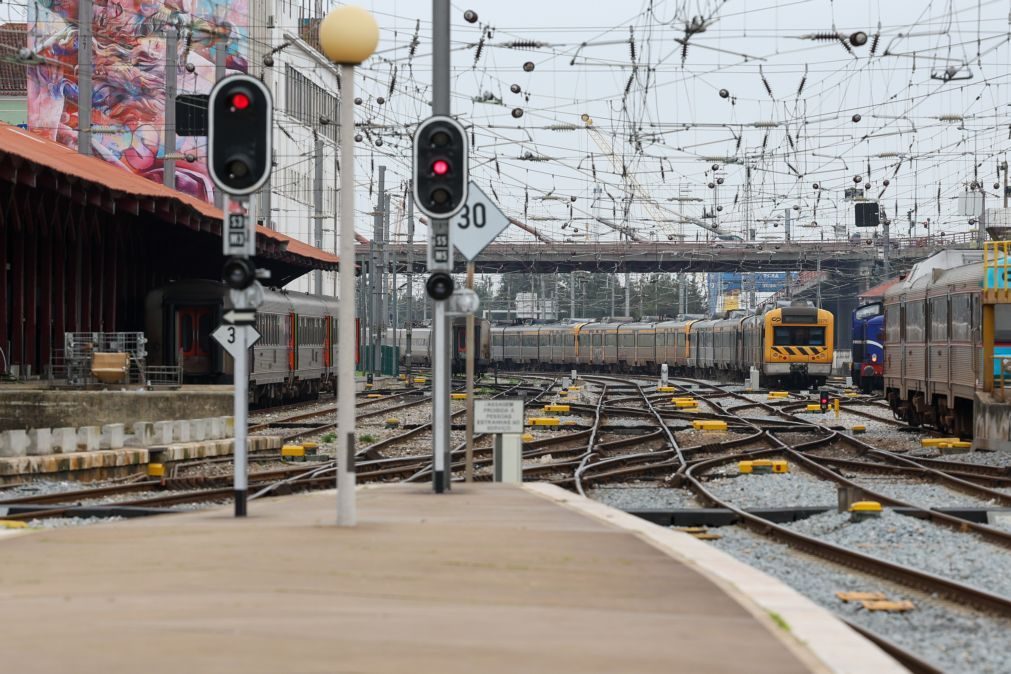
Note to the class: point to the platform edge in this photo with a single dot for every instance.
(815, 634)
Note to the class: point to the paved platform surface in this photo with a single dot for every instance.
(492, 578)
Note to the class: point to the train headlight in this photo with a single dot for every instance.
(874, 357)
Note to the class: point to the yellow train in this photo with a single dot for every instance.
(789, 345)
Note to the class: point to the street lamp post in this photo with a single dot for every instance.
(348, 35)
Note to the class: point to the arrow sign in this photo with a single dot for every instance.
(236, 338)
(477, 224)
(240, 316)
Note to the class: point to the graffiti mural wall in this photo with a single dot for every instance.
(128, 99)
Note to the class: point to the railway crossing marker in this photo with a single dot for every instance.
(477, 224)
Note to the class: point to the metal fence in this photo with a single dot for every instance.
(74, 365)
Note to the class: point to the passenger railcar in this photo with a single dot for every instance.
(933, 345)
(789, 345)
(867, 367)
(293, 360)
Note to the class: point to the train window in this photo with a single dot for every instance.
(939, 319)
(596, 339)
(914, 323)
(570, 340)
(798, 335)
(530, 340)
(610, 339)
(628, 339)
(892, 324)
(646, 340)
(961, 309)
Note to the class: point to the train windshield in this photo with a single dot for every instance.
(798, 335)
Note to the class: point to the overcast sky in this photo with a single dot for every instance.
(922, 129)
(673, 121)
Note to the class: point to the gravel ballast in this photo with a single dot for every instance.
(957, 640)
(768, 490)
(910, 541)
(631, 496)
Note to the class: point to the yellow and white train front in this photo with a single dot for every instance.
(798, 345)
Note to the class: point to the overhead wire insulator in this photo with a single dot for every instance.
(768, 87)
(477, 54)
(803, 81)
(631, 43)
(874, 43)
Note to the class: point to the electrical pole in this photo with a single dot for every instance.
(818, 291)
(469, 451)
(85, 73)
(220, 59)
(384, 265)
(395, 311)
(410, 282)
(317, 203)
(572, 294)
(171, 78)
(375, 273)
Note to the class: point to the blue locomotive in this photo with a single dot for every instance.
(868, 366)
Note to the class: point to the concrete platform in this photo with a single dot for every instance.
(491, 578)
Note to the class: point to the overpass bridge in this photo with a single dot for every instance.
(869, 255)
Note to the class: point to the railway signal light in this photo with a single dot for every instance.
(441, 170)
(239, 130)
(824, 401)
(439, 286)
(239, 272)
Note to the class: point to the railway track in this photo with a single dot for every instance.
(645, 446)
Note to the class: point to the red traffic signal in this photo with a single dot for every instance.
(239, 129)
(824, 401)
(440, 167)
(240, 100)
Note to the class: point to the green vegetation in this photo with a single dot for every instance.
(367, 439)
(329, 437)
(778, 619)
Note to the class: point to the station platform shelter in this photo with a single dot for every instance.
(82, 242)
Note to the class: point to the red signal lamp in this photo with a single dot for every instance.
(240, 101)
(440, 167)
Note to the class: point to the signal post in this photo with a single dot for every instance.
(440, 190)
(240, 122)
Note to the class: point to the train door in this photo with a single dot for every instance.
(327, 342)
(292, 342)
(193, 333)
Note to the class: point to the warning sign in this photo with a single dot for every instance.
(498, 416)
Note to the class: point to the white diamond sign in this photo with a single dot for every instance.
(477, 224)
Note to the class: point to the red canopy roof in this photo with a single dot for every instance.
(24, 155)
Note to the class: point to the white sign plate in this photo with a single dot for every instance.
(440, 246)
(477, 224)
(236, 338)
(239, 237)
(498, 416)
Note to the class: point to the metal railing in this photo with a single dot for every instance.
(996, 264)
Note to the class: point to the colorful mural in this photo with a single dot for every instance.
(128, 99)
